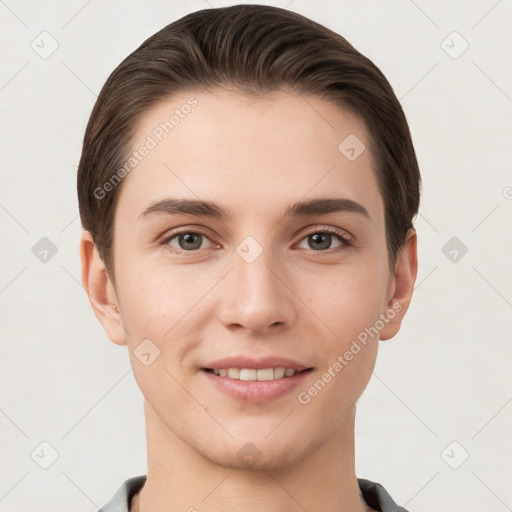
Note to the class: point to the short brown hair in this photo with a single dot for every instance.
(253, 49)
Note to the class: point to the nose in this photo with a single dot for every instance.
(257, 295)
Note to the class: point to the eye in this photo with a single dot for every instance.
(186, 240)
(321, 239)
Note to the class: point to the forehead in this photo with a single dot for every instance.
(250, 152)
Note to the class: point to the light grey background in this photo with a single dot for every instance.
(445, 378)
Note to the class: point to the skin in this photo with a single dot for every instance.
(254, 156)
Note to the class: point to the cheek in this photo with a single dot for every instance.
(347, 299)
(149, 286)
(166, 304)
(348, 306)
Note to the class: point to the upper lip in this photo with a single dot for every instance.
(257, 364)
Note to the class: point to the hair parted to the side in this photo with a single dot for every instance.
(253, 49)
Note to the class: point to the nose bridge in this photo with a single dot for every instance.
(252, 266)
(257, 296)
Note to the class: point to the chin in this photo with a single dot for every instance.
(254, 456)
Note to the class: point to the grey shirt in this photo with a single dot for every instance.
(374, 494)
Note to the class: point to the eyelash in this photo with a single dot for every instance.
(342, 235)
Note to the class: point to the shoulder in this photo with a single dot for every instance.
(374, 494)
(121, 499)
(377, 497)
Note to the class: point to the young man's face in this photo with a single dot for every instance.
(258, 285)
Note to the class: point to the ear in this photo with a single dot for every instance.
(402, 286)
(100, 290)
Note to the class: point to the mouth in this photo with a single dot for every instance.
(256, 375)
(255, 385)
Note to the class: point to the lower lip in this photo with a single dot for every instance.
(256, 391)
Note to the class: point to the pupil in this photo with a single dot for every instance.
(317, 237)
(189, 239)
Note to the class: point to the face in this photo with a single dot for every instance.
(251, 278)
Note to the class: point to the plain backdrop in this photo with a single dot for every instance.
(434, 424)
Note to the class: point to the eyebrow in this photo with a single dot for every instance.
(320, 206)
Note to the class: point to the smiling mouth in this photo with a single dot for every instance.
(256, 375)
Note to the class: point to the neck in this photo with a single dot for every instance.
(181, 479)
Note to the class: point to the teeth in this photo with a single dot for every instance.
(248, 374)
(255, 375)
(279, 373)
(265, 374)
(233, 373)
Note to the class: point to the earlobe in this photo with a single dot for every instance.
(406, 270)
(100, 290)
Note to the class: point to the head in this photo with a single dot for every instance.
(248, 110)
